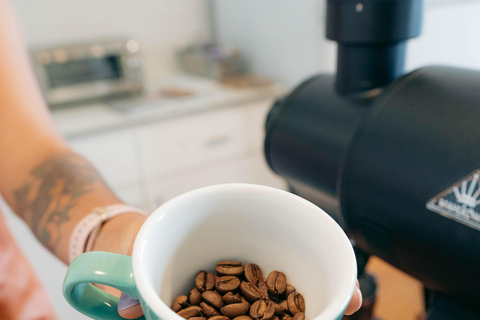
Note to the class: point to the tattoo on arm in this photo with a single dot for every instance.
(52, 190)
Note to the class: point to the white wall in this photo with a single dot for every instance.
(159, 25)
(286, 39)
(282, 39)
(450, 35)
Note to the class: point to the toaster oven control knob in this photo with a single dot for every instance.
(97, 50)
(60, 56)
(133, 46)
(44, 57)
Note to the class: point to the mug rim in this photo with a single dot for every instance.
(150, 297)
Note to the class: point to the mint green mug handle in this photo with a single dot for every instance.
(111, 269)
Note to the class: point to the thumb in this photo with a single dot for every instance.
(130, 248)
(355, 302)
(128, 307)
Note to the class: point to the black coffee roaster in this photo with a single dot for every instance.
(391, 156)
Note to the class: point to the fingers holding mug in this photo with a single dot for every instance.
(128, 307)
(355, 302)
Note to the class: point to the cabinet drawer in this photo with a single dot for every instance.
(250, 169)
(193, 140)
(112, 154)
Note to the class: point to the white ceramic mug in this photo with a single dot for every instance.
(238, 222)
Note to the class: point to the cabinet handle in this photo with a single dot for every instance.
(217, 140)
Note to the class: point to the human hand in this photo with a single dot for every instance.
(118, 236)
(355, 302)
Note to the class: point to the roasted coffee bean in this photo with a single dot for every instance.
(230, 298)
(213, 298)
(272, 298)
(251, 292)
(219, 318)
(194, 297)
(296, 303)
(235, 309)
(180, 303)
(227, 283)
(253, 273)
(208, 310)
(262, 286)
(279, 309)
(276, 282)
(289, 290)
(299, 316)
(270, 311)
(262, 310)
(204, 281)
(243, 318)
(190, 312)
(229, 268)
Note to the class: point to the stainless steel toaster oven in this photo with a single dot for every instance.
(89, 71)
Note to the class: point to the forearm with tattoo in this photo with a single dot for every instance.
(52, 192)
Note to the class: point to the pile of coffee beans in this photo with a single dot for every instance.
(240, 293)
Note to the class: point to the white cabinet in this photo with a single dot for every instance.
(245, 169)
(150, 163)
(112, 154)
(256, 116)
(134, 195)
(219, 146)
(169, 146)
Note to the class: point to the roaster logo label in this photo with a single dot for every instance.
(460, 202)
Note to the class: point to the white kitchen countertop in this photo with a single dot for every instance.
(94, 118)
